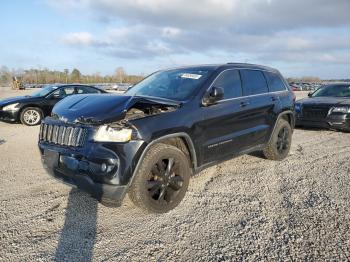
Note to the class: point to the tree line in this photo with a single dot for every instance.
(46, 76)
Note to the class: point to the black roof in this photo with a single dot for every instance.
(72, 84)
(249, 66)
(226, 66)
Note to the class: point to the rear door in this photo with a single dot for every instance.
(261, 110)
(279, 90)
(225, 125)
(86, 90)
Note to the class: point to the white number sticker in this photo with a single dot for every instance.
(191, 76)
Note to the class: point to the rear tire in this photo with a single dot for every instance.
(31, 116)
(280, 142)
(162, 180)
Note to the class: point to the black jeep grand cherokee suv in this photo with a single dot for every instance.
(149, 141)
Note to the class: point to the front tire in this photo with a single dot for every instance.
(162, 180)
(280, 142)
(31, 116)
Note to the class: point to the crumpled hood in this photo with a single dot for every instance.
(102, 108)
(16, 99)
(325, 101)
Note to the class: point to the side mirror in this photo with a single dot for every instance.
(310, 94)
(215, 94)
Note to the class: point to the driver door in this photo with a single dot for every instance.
(224, 125)
(56, 96)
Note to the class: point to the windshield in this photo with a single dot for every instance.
(177, 84)
(333, 91)
(44, 91)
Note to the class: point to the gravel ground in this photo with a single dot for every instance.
(245, 209)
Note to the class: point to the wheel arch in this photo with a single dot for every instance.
(26, 106)
(178, 140)
(289, 116)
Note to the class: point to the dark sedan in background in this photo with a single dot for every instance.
(327, 107)
(31, 109)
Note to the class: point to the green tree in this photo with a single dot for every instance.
(75, 75)
(66, 72)
(120, 74)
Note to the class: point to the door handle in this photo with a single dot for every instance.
(273, 98)
(244, 103)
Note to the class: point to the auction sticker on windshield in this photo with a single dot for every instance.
(191, 76)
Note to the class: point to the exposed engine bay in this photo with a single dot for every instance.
(140, 110)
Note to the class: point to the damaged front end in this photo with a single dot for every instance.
(91, 142)
(103, 109)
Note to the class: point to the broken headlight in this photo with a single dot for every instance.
(109, 134)
(342, 109)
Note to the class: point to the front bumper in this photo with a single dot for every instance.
(82, 167)
(9, 116)
(332, 121)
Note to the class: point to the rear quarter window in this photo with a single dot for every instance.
(253, 82)
(275, 82)
(87, 90)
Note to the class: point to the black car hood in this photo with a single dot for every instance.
(16, 99)
(325, 101)
(98, 109)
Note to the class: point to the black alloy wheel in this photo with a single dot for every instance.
(162, 179)
(280, 142)
(165, 180)
(283, 140)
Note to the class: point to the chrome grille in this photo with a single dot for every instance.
(63, 135)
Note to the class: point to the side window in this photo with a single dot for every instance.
(69, 90)
(253, 82)
(275, 82)
(230, 81)
(86, 90)
(63, 92)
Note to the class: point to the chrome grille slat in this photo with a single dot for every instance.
(71, 129)
(63, 135)
(79, 136)
(55, 134)
(44, 132)
(60, 135)
(66, 136)
(75, 136)
(41, 132)
(49, 133)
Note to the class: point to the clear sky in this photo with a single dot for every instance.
(298, 37)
